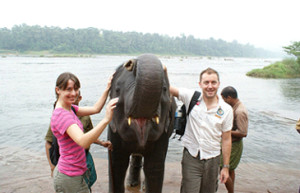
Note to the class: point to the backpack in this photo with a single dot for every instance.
(91, 176)
(181, 115)
(54, 151)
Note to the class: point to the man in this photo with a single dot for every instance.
(238, 132)
(298, 129)
(209, 123)
(87, 125)
(298, 126)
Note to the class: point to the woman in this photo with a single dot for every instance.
(65, 125)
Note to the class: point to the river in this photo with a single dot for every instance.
(27, 94)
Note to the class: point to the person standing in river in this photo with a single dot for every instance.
(238, 132)
(298, 129)
(209, 123)
(67, 128)
(298, 126)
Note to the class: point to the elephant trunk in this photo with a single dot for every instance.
(148, 88)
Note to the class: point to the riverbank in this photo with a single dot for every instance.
(27, 171)
(287, 68)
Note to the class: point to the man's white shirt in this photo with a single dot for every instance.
(204, 127)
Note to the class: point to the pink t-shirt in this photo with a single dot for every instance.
(72, 160)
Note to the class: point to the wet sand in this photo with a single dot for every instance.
(25, 171)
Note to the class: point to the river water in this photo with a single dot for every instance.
(27, 94)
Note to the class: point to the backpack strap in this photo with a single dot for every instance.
(194, 101)
(73, 109)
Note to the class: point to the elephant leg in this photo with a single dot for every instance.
(154, 165)
(118, 165)
(134, 177)
(118, 172)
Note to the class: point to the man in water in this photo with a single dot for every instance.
(298, 125)
(238, 132)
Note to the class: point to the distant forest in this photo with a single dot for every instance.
(24, 38)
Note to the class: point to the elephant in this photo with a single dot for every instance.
(142, 122)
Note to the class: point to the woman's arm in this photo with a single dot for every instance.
(86, 139)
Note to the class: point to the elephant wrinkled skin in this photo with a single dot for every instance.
(142, 121)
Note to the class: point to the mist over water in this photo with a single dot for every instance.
(27, 95)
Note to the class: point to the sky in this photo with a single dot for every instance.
(268, 24)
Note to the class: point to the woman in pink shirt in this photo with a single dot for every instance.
(67, 128)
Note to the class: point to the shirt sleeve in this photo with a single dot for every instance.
(49, 135)
(185, 96)
(228, 121)
(241, 120)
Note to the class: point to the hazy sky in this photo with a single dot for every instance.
(269, 24)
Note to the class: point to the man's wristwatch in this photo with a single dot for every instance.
(226, 166)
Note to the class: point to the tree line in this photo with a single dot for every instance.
(24, 38)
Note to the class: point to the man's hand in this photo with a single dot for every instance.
(52, 167)
(224, 175)
(107, 144)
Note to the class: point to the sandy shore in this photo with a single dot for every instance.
(25, 172)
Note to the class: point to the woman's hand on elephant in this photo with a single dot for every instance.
(110, 107)
(109, 81)
(164, 67)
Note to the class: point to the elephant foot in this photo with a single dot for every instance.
(134, 177)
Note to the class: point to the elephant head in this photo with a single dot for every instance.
(143, 112)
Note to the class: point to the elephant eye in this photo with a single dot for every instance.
(117, 90)
(164, 88)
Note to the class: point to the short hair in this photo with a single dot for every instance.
(209, 71)
(229, 91)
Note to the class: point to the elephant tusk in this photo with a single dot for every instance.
(157, 120)
(129, 121)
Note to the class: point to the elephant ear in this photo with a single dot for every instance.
(130, 64)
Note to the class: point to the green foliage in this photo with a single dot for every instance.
(293, 49)
(287, 68)
(24, 38)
